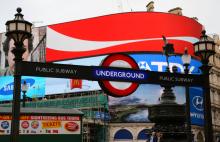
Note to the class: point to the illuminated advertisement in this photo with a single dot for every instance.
(36, 87)
(123, 32)
(42, 125)
(31, 44)
(196, 106)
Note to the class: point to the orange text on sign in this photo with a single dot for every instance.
(51, 124)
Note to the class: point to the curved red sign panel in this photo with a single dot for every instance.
(124, 32)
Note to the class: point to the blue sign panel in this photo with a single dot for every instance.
(196, 106)
(103, 116)
(36, 87)
(119, 74)
(157, 62)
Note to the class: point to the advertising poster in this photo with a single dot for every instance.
(42, 125)
(30, 45)
(196, 106)
(36, 87)
(122, 32)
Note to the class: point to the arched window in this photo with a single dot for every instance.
(200, 137)
(143, 135)
(123, 134)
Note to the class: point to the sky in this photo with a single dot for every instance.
(46, 12)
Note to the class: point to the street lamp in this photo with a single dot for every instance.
(24, 89)
(186, 59)
(18, 30)
(205, 48)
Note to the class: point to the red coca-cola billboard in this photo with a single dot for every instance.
(125, 32)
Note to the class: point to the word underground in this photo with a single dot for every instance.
(119, 74)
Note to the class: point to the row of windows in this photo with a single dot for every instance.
(124, 134)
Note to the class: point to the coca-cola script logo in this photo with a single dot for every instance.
(71, 126)
(25, 124)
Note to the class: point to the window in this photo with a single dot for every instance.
(144, 134)
(123, 134)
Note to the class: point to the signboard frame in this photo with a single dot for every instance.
(87, 72)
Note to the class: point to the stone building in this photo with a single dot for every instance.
(215, 88)
(135, 129)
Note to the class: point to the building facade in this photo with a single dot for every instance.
(132, 132)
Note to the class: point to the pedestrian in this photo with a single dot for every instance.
(153, 137)
(159, 136)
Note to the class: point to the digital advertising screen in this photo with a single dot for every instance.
(196, 106)
(120, 33)
(36, 87)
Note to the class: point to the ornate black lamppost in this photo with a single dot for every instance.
(186, 59)
(24, 89)
(205, 48)
(18, 30)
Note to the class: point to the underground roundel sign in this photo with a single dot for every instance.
(118, 88)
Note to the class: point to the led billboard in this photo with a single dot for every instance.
(6, 46)
(196, 106)
(36, 87)
(123, 32)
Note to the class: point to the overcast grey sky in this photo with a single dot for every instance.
(45, 12)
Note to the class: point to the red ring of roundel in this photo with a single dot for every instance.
(107, 87)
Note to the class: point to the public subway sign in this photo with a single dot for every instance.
(99, 73)
(178, 79)
(53, 70)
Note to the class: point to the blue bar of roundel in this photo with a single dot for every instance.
(113, 76)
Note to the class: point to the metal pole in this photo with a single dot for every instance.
(188, 118)
(18, 52)
(207, 103)
(104, 123)
(16, 109)
(24, 98)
